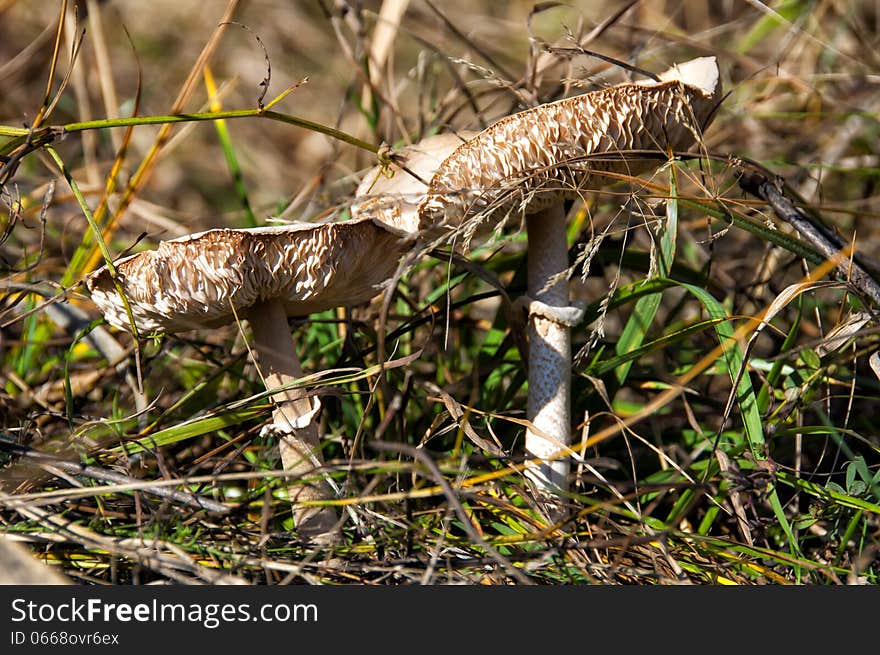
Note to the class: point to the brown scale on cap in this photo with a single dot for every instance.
(534, 159)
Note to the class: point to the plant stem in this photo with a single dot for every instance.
(22, 134)
(219, 115)
(295, 419)
(549, 351)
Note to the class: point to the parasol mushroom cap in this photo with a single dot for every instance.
(533, 160)
(392, 194)
(209, 278)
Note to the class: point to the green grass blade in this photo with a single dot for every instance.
(636, 328)
(733, 361)
(602, 367)
(191, 429)
(229, 152)
(826, 494)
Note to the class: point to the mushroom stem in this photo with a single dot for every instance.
(549, 350)
(295, 419)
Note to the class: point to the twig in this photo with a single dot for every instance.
(170, 563)
(104, 475)
(829, 245)
(437, 476)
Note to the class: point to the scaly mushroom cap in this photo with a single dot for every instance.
(536, 158)
(197, 280)
(394, 199)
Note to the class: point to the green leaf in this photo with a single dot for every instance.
(191, 429)
(810, 358)
(830, 493)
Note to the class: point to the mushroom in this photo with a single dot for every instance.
(392, 194)
(19, 566)
(530, 163)
(263, 275)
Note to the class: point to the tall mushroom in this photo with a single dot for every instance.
(530, 163)
(263, 275)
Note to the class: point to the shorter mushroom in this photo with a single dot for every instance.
(264, 275)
